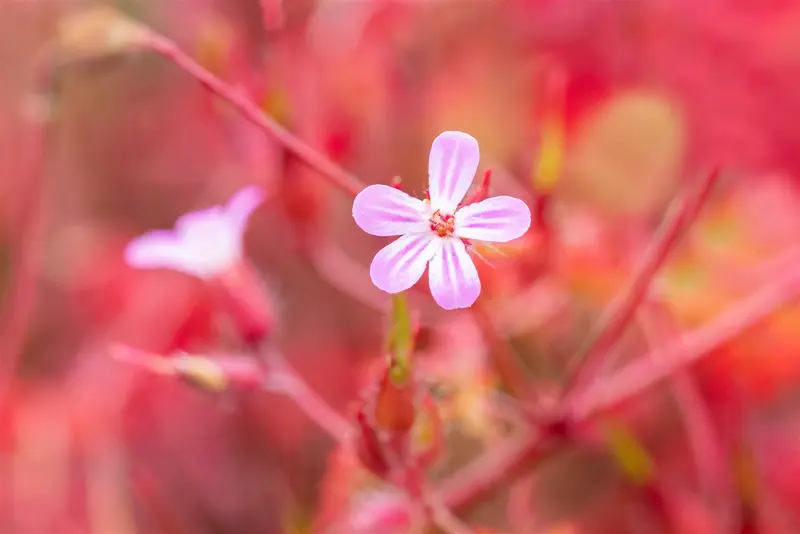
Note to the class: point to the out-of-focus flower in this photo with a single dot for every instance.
(204, 243)
(208, 244)
(436, 231)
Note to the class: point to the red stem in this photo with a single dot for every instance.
(513, 458)
(709, 458)
(644, 373)
(283, 379)
(620, 312)
(510, 459)
(335, 174)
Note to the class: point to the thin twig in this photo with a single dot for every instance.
(335, 174)
(706, 450)
(281, 378)
(696, 418)
(620, 312)
(506, 461)
(514, 457)
(644, 373)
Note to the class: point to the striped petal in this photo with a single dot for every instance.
(451, 168)
(496, 219)
(383, 211)
(453, 277)
(399, 265)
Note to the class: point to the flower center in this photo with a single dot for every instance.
(444, 225)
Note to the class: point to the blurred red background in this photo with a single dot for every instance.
(655, 93)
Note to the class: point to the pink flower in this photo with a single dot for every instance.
(205, 243)
(433, 232)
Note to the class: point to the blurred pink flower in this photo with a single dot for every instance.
(433, 231)
(204, 243)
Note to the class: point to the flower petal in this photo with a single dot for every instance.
(213, 216)
(453, 277)
(451, 168)
(497, 219)
(382, 210)
(242, 204)
(399, 265)
(159, 249)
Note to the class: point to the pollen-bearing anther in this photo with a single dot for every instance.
(444, 225)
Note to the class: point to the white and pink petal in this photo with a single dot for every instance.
(382, 210)
(453, 277)
(452, 165)
(497, 219)
(399, 265)
(159, 249)
(242, 204)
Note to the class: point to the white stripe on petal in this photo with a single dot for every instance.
(453, 161)
(453, 277)
(383, 211)
(496, 219)
(399, 265)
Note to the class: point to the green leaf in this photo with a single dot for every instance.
(631, 457)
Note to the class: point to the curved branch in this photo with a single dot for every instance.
(515, 457)
(335, 174)
(620, 312)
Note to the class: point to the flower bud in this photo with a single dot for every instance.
(394, 405)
